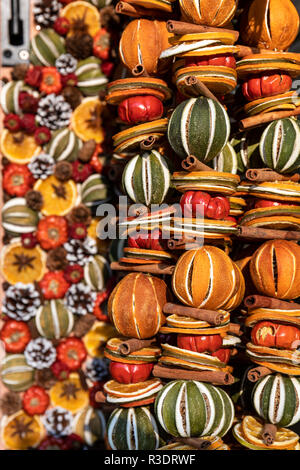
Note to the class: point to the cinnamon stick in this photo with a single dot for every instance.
(100, 397)
(257, 373)
(184, 243)
(181, 27)
(266, 174)
(267, 234)
(260, 119)
(192, 163)
(134, 344)
(215, 377)
(149, 142)
(197, 443)
(235, 329)
(269, 433)
(198, 87)
(134, 11)
(143, 268)
(210, 316)
(243, 51)
(261, 301)
(139, 71)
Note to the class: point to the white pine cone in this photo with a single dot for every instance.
(40, 353)
(46, 12)
(66, 64)
(53, 112)
(21, 301)
(58, 421)
(80, 299)
(80, 252)
(42, 166)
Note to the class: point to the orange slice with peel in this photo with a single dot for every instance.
(18, 147)
(252, 431)
(97, 337)
(21, 431)
(116, 389)
(19, 264)
(69, 394)
(86, 120)
(58, 197)
(82, 13)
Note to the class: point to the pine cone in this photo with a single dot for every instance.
(63, 171)
(46, 11)
(80, 215)
(34, 200)
(19, 71)
(66, 64)
(21, 301)
(87, 150)
(97, 369)
(56, 259)
(42, 166)
(53, 112)
(80, 46)
(40, 353)
(83, 325)
(58, 421)
(72, 95)
(80, 251)
(10, 403)
(45, 378)
(80, 299)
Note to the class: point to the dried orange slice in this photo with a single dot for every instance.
(19, 264)
(69, 394)
(97, 337)
(117, 389)
(252, 431)
(58, 197)
(103, 245)
(21, 431)
(82, 13)
(18, 147)
(86, 120)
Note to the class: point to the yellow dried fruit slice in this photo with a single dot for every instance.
(82, 12)
(21, 431)
(58, 197)
(252, 431)
(86, 120)
(19, 264)
(116, 389)
(96, 339)
(18, 147)
(69, 394)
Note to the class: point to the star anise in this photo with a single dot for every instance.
(18, 137)
(23, 261)
(69, 390)
(78, 25)
(95, 118)
(21, 428)
(60, 191)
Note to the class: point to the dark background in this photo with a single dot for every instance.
(296, 46)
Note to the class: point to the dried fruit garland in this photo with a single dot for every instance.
(48, 325)
(183, 91)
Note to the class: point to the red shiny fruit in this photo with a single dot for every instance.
(275, 335)
(200, 343)
(201, 204)
(223, 60)
(267, 203)
(130, 373)
(140, 109)
(266, 85)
